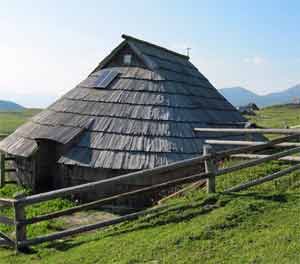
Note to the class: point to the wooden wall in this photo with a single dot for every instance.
(38, 172)
(42, 173)
(25, 171)
(74, 175)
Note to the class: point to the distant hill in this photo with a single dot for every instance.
(7, 106)
(240, 96)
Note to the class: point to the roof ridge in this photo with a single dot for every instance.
(126, 37)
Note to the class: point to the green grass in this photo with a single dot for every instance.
(10, 190)
(9, 121)
(278, 116)
(260, 225)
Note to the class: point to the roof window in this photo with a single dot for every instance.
(127, 59)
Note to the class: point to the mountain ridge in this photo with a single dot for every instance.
(9, 106)
(239, 96)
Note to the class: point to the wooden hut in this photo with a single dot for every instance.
(135, 111)
(248, 109)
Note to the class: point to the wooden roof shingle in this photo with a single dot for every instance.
(143, 119)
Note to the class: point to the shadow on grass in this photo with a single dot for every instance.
(182, 212)
(64, 245)
(173, 215)
(282, 197)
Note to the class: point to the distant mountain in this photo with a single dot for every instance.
(240, 96)
(7, 106)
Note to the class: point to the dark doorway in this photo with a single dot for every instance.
(46, 165)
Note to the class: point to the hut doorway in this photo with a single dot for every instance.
(47, 156)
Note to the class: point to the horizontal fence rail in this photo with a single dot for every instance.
(6, 202)
(184, 180)
(210, 159)
(78, 230)
(282, 131)
(259, 156)
(263, 179)
(150, 172)
(118, 196)
(249, 143)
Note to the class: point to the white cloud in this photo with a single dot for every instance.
(256, 60)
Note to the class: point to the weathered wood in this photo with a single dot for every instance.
(20, 228)
(257, 156)
(6, 239)
(6, 202)
(78, 230)
(147, 173)
(287, 131)
(210, 166)
(6, 220)
(2, 169)
(104, 201)
(267, 178)
(258, 161)
(189, 179)
(227, 153)
(249, 143)
(107, 182)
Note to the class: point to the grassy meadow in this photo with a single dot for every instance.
(9, 121)
(279, 116)
(260, 225)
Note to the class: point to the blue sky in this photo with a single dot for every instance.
(47, 47)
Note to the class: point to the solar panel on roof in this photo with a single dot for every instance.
(105, 78)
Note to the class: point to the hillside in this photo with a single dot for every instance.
(260, 225)
(7, 106)
(278, 116)
(240, 96)
(9, 121)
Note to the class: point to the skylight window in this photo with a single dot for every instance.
(105, 78)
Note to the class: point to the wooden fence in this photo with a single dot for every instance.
(209, 158)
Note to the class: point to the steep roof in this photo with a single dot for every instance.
(143, 119)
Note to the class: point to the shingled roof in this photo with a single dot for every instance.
(143, 119)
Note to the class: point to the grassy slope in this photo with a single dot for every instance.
(278, 116)
(9, 121)
(261, 225)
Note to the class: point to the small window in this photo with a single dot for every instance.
(127, 59)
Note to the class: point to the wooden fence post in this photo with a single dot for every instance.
(210, 166)
(2, 169)
(20, 216)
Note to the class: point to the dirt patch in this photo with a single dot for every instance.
(85, 218)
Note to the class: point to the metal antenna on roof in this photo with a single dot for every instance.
(188, 51)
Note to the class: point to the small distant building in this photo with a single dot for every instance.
(248, 109)
(296, 100)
